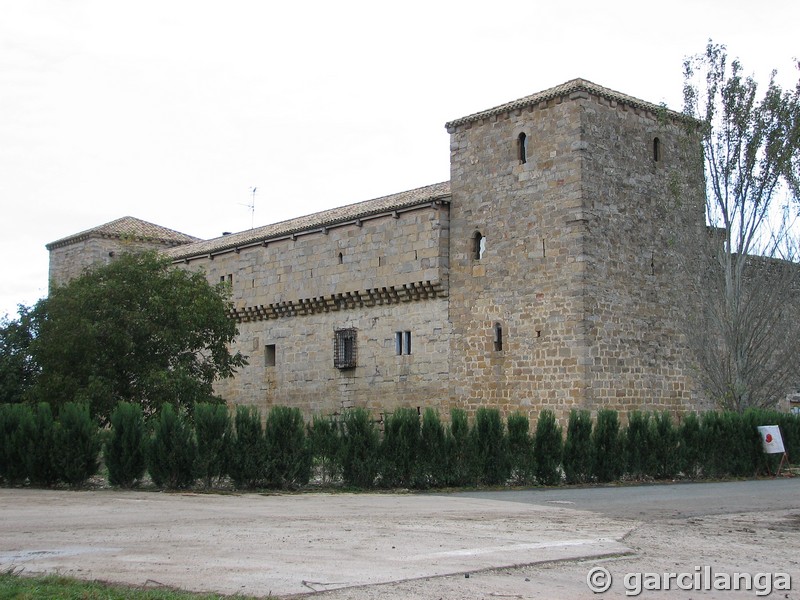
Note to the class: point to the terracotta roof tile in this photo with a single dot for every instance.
(326, 218)
(128, 227)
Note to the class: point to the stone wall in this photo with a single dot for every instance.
(382, 276)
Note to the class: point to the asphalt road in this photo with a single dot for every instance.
(662, 501)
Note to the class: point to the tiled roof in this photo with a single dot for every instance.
(128, 227)
(559, 91)
(326, 218)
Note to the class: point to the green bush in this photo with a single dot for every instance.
(690, 450)
(578, 447)
(41, 457)
(125, 450)
(172, 451)
(247, 466)
(490, 447)
(399, 448)
(639, 445)
(520, 449)
(77, 444)
(212, 426)
(460, 463)
(666, 449)
(359, 450)
(607, 451)
(288, 460)
(17, 429)
(548, 449)
(324, 444)
(432, 457)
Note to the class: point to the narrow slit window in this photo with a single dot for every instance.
(402, 342)
(498, 337)
(522, 148)
(656, 149)
(407, 340)
(478, 246)
(269, 355)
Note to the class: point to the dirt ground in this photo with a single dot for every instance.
(370, 546)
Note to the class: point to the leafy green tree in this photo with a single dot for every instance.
(18, 369)
(125, 450)
(136, 330)
(288, 460)
(745, 324)
(77, 444)
(172, 451)
(212, 424)
(548, 448)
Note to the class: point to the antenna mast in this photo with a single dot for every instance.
(252, 206)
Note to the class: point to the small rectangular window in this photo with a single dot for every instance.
(344, 349)
(402, 342)
(269, 355)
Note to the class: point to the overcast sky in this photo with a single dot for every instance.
(173, 110)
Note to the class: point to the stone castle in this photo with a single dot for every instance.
(542, 275)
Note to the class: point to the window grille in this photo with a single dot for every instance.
(344, 349)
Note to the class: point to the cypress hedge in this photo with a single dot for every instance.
(548, 449)
(125, 450)
(77, 444)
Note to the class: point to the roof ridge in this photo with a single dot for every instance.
(128, 226)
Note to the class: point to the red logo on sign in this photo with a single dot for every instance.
(769, 438)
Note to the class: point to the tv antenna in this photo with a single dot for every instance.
(252, 206)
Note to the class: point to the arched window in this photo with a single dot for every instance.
(656, 149)
(522, 148)
(478, 246)
(498, 337)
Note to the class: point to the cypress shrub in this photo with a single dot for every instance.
(432, 457)
(359, 450)
(548, 448)
(490, 447)
(751, 459)
(608, 454)
(716, 444)
(41, 457)
(172, 452)
(578, 447)
(399, 448)
(639, 445)
(520, 449)
(324, 443)
(288, 460)
(125, 450)
(247, 465)
(665, 439)
(6, 428)
(690, 446)
(17, 430)
(212, 425)
(460, 463)
(77, 444)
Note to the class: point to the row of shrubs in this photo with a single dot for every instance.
(420, 452)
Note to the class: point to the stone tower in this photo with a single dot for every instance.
(564, 282)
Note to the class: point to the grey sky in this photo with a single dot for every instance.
(171, 111)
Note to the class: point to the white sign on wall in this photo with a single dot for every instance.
(771, 439)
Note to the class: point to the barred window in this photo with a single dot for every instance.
(344, 349)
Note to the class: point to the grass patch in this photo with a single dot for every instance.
(56, 587)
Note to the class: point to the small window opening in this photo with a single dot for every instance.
(344, 349)
(498, 337)
(522, 148)
(341, 258)
(656, 149)
(478, 246)
(402, 342)
(269, 355)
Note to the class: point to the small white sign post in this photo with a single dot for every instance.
(772, 442)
